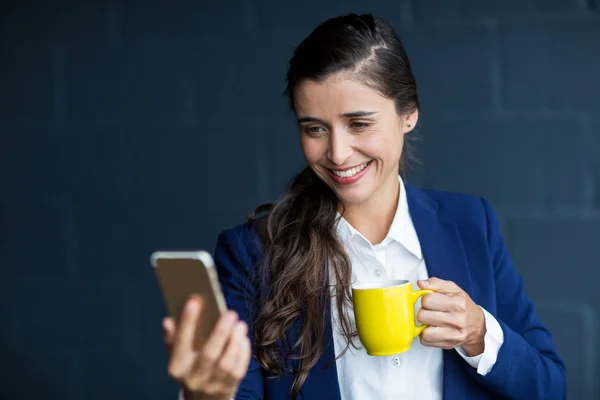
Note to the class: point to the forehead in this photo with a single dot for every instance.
(338, 94)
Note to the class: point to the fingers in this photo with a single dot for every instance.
(436, 302)
(168, 331)
(439, 285)
(182, 351)
(215, 345)
(443, 337)
(215, 369)
(218, 367)
(434, 318)
(241, 367)
(231, 355)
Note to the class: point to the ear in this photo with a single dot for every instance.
(409, 121)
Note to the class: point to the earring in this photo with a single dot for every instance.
(408, 125)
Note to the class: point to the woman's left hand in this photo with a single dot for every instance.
(452, 317)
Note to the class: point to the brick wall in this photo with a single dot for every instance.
(128, 126)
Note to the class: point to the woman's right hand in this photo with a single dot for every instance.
(215, 371)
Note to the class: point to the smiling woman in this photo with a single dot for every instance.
(349, 219)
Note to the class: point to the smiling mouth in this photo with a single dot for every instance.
(348, 173)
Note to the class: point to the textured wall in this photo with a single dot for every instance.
(128, 126)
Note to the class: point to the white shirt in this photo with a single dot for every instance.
(416, 374)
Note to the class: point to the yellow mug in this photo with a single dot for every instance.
(385, 316)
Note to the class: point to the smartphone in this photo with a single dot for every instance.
(181, 274)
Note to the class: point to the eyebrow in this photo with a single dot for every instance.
(359, 114)
(353, 114)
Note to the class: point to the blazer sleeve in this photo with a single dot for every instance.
(528, 366)
(235, 259)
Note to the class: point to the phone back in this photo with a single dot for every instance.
(182, 274)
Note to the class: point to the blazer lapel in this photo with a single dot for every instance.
(445, 258)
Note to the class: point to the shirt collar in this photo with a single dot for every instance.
(402, 229)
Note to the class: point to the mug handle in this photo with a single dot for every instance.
(415, 296)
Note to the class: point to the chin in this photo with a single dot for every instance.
(352, 196)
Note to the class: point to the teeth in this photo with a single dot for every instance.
(350, 172)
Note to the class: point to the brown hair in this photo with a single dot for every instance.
(298, 233)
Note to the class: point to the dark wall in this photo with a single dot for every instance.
(131, 126)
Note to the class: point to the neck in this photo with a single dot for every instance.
(373, 218)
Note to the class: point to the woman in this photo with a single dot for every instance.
(349, 218)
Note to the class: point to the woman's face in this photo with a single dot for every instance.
(352, 137)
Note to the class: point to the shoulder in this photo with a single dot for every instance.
(466, 210)
(456, 205)
(474, 218)
(241, 243)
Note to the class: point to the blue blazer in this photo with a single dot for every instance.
(461, 242)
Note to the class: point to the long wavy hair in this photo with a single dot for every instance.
(298, 232)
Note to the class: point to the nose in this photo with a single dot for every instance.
(340, 149)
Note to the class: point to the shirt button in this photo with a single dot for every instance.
(378, 272)
(396, 361)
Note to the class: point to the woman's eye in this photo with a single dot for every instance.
(359, 125)
(313, 130)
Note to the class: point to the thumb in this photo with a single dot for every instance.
(168, 331)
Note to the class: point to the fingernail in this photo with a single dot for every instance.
(192, 305)
(424, 283)
(232, 317)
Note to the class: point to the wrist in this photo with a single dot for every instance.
(476, 344)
